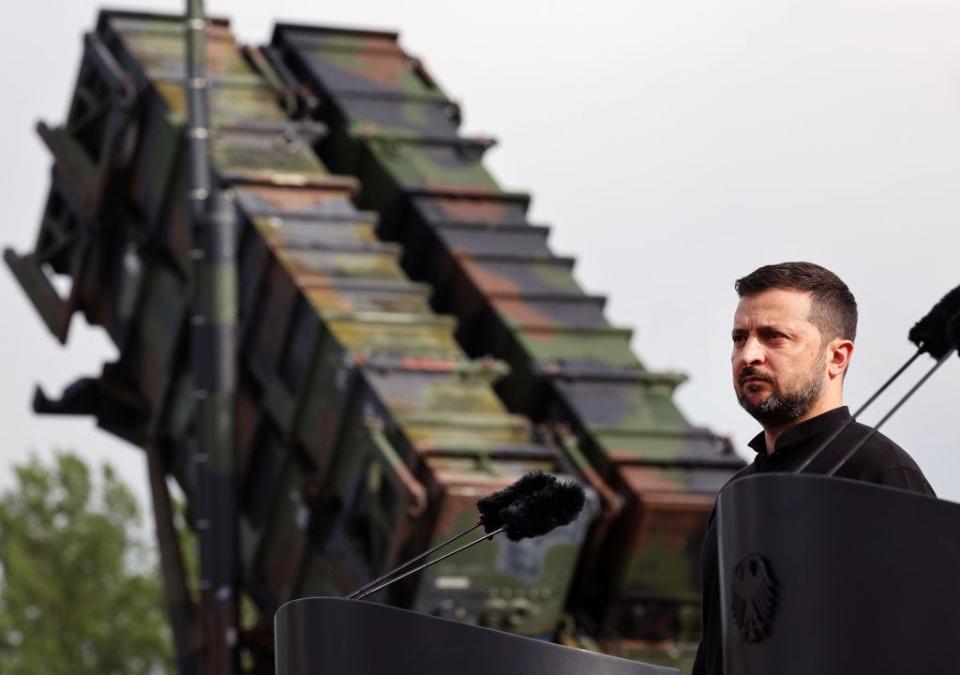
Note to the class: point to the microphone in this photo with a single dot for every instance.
(531, 507)
(876, 427)
(536, 514)
(937, 334)
(491, 506)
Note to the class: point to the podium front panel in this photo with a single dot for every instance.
(332, 636)
(830, 576)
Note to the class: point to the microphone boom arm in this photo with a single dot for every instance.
(357, 593)
(832, 437)
(856, 446)
(427, 564)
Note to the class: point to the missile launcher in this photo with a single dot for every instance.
(407, 342)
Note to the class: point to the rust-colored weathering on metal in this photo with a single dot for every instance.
(407, 342)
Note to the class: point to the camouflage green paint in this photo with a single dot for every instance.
(363, 430)
(519, 302)
(402, 367)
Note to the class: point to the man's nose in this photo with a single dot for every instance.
(751, 352)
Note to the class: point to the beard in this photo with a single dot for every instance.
(781, 407)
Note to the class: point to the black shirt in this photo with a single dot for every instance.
(880, 460)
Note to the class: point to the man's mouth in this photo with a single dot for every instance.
(754, 383)
(751, 374)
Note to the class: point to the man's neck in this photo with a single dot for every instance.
(772, 434)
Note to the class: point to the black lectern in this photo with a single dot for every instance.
(830, 576)
(331, 636)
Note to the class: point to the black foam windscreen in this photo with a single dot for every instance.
(491, 507)
(937, 333)
(538, 513)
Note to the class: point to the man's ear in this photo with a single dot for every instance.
(839, 351)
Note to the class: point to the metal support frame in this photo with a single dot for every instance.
(213, 352)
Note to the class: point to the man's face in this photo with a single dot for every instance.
(779, 361)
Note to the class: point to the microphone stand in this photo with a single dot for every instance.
(849, 453)
(939, 337)
(361, 596)
(355, 595)
(534, 490)
(531, 507)
(832, 437)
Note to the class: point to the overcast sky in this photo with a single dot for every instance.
(673, 146)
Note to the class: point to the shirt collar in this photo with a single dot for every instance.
(820, 425)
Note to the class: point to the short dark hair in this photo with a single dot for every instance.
(833, 309)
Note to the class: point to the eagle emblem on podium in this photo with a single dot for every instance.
(755, 597)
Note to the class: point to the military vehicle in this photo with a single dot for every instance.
(373, 337)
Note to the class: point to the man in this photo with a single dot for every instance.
(793, 336)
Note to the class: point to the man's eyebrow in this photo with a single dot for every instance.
(775, 328)
(763, 328)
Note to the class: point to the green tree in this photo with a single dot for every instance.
(80, 592)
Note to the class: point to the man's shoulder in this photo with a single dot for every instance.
(879, 451)
(747, 470)
(881, 460)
